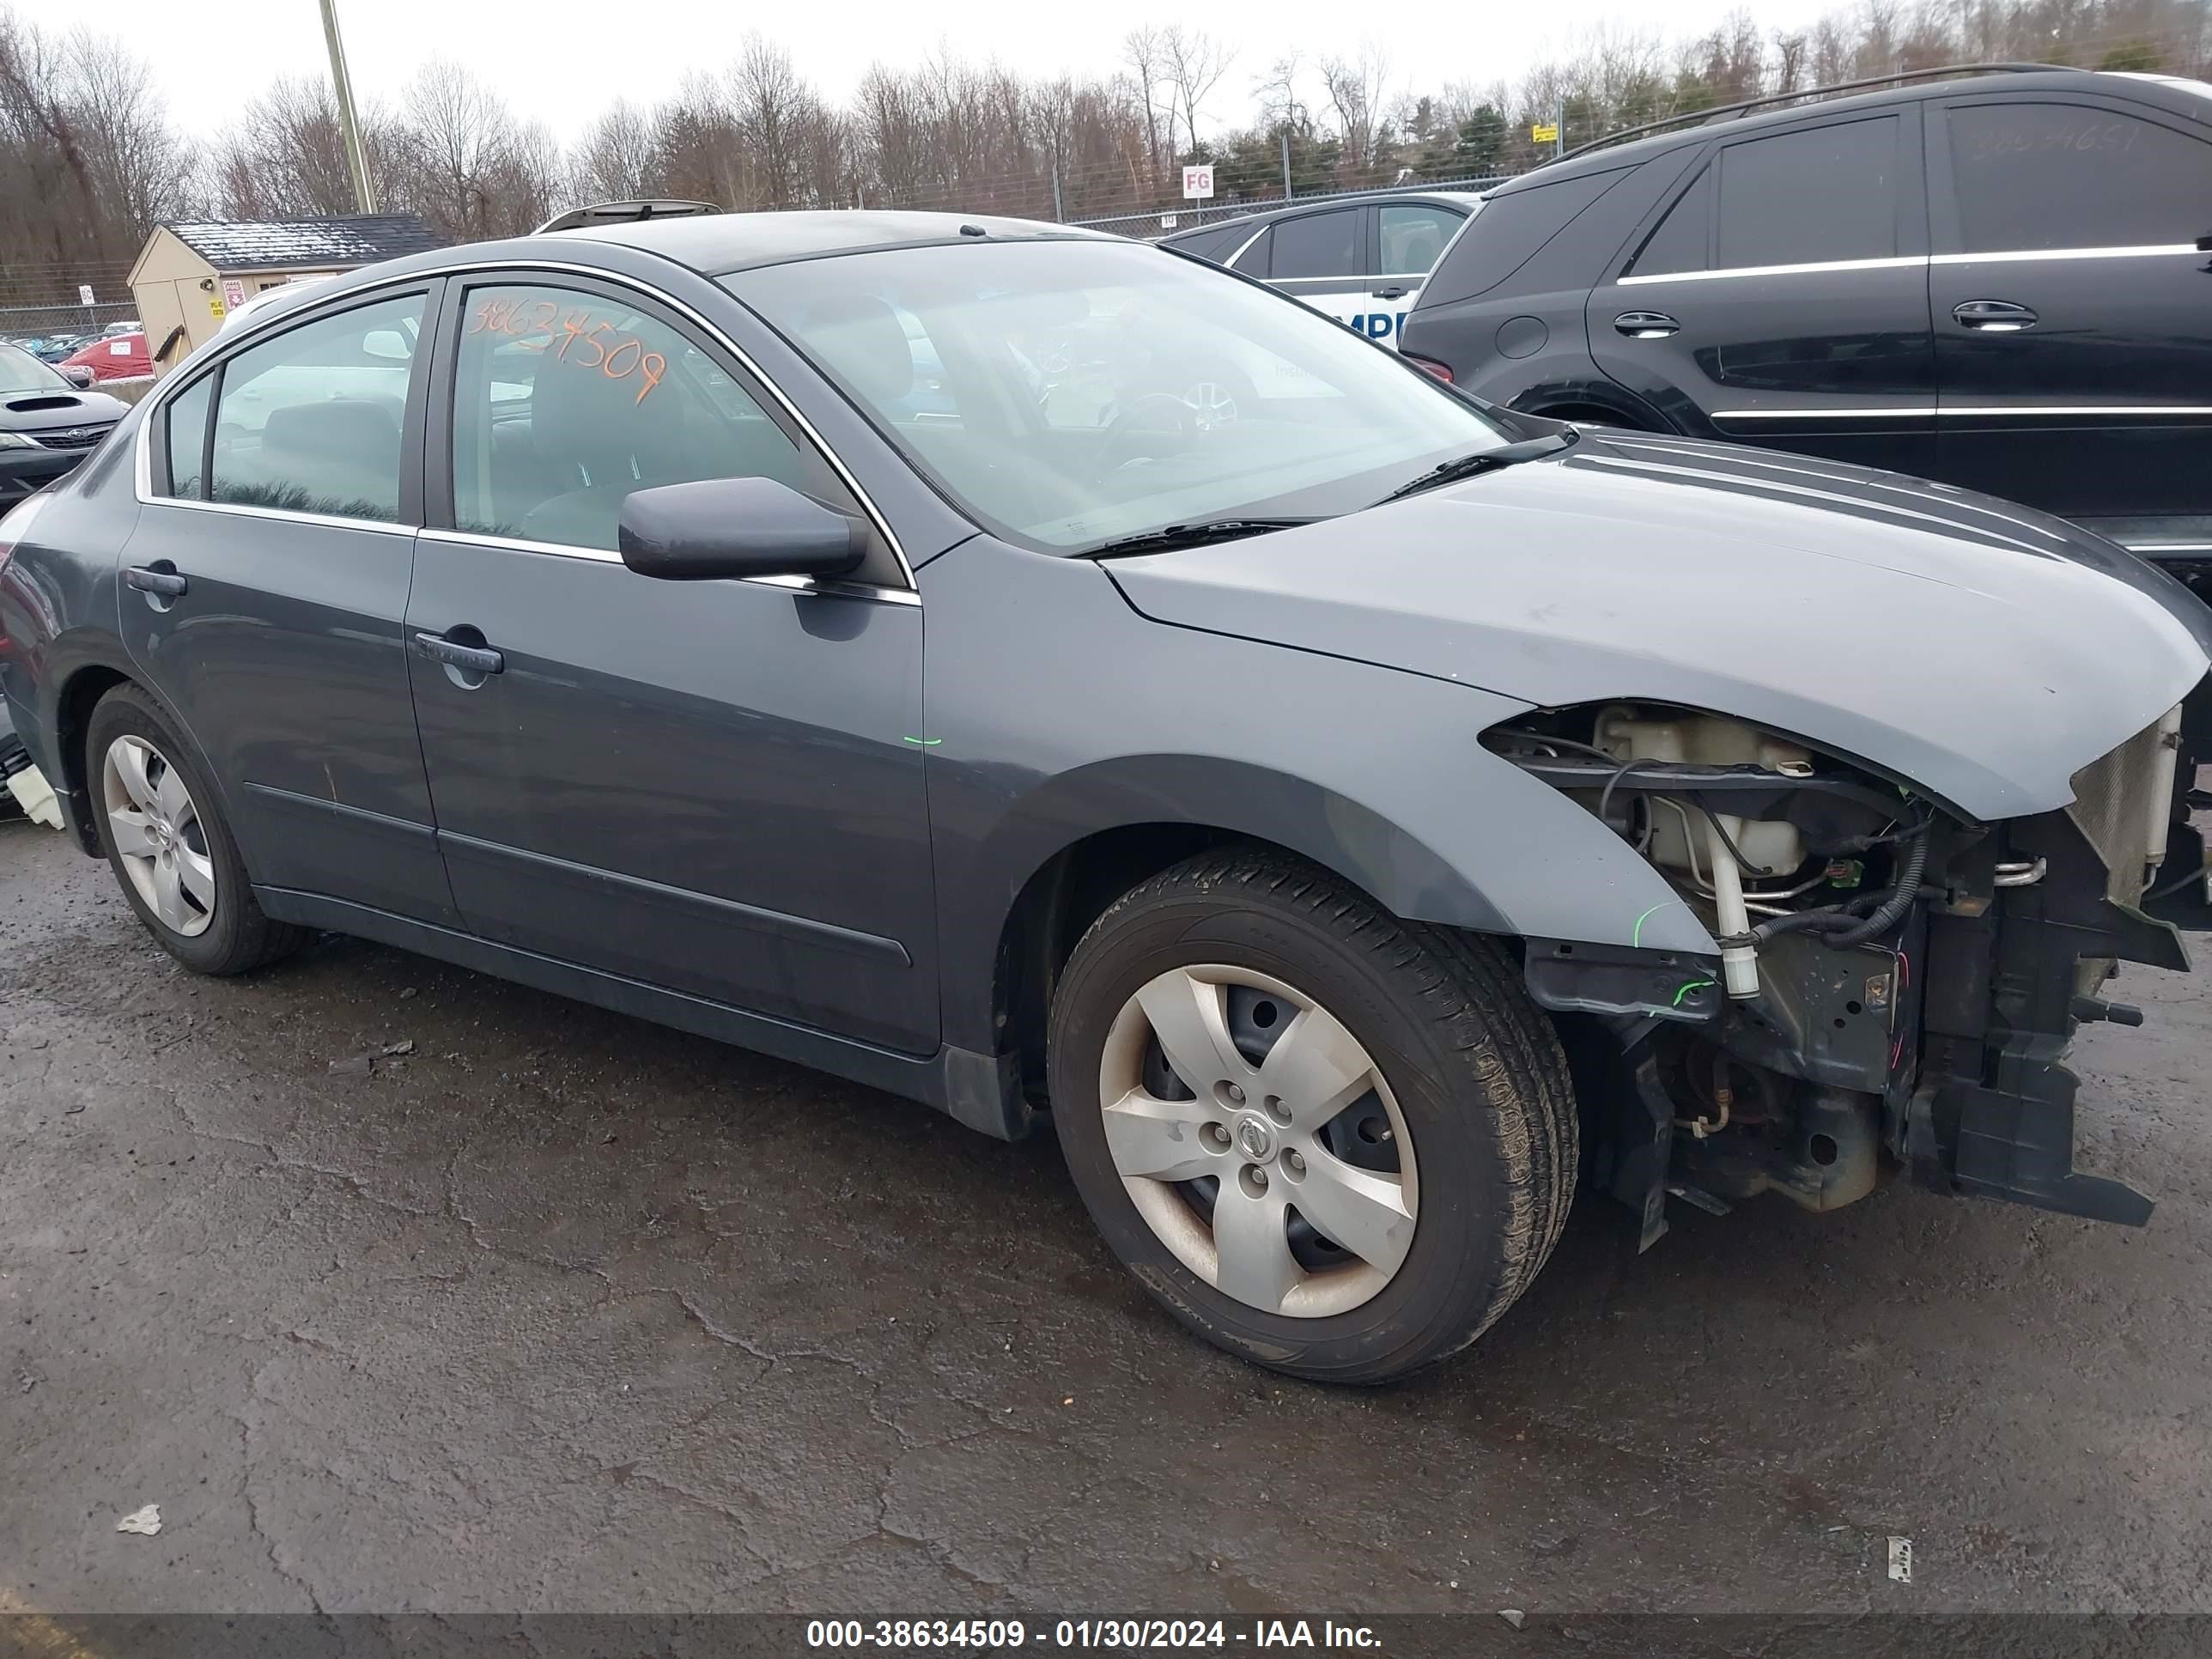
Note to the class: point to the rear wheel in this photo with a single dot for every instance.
(1327, 1140)
(166, 841)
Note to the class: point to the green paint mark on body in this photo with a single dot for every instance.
(1636, 939)
(1694, 985)
(926, 743)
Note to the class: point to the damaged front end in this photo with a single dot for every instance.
(1891, 984)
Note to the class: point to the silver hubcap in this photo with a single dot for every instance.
(157, 830)
(1283, 1177)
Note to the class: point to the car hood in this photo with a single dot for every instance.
(44, 412)
(1982, 650)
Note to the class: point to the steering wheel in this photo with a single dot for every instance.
(1139, 421)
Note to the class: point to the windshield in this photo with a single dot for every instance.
(20, 372)
(1071, 393)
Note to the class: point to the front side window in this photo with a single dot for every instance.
(2032, 176)
(1318, 245)
(310, 421)
(1097, 389)
(566, 402)
(1414, 239)
(1810, 197)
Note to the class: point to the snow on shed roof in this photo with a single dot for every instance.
(356, 239)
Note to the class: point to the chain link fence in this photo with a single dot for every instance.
(45, 322)
(41, 302)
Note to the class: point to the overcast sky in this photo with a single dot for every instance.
(562, 61)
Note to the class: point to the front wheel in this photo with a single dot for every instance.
(1332, 1142)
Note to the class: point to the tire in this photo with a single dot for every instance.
(229, 935)
(1466, 1070)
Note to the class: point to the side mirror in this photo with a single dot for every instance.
(78, 376)
(718, 528)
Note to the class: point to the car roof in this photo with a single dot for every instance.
(1601, 157)
(718, 243)
(1263, 214)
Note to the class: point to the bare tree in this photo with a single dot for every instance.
(285, 159)
(1790, 47)
(1195, 63)
(1354, 86)
(770, 102)
(1146, 54)
(614, 161)
(473, 172)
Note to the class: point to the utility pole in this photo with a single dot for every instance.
(364, 197)
(1559, 122)
(1285, 137)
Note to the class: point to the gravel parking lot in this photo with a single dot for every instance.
(397, 1288)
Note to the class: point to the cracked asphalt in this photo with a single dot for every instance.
(528, 1307)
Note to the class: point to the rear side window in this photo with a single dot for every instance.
(1318, 245)
(1216, 244)
(310, 421)
(1807, 197)
(1413, 238)
(2041, 176)
(1252, 261)
(187, 423)
(1512, 229)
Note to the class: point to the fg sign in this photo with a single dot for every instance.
(1197, 183)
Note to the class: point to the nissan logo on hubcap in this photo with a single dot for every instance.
(1256, 1139)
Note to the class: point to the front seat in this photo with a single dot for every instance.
(600, 441)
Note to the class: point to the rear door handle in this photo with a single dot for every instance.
(1393, 292)
(1994, 316)
(1645, 324)
(469, 659)
(151, 579)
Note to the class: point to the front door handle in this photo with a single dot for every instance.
(468, 659)
(1993, 316)
(160, 579)
(1393, 292)
(1645, 324)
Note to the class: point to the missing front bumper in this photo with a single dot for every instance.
(1992, 1114)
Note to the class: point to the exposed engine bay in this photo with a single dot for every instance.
(1893, 982)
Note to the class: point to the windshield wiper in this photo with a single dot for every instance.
(1193, 535)
(1484, 460)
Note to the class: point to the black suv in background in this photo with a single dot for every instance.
(2000, 283)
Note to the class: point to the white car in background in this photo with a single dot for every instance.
(1361, 261)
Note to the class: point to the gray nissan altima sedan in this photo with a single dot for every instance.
(1037, 673)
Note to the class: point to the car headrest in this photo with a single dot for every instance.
(581, 418)
(354, 431)
(859, 336)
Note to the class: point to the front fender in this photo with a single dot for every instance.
(1375, 773)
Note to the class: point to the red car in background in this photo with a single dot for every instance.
(121, 357)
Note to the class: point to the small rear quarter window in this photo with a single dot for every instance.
(1511, 229)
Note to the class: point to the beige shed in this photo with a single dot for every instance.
(189, 275)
